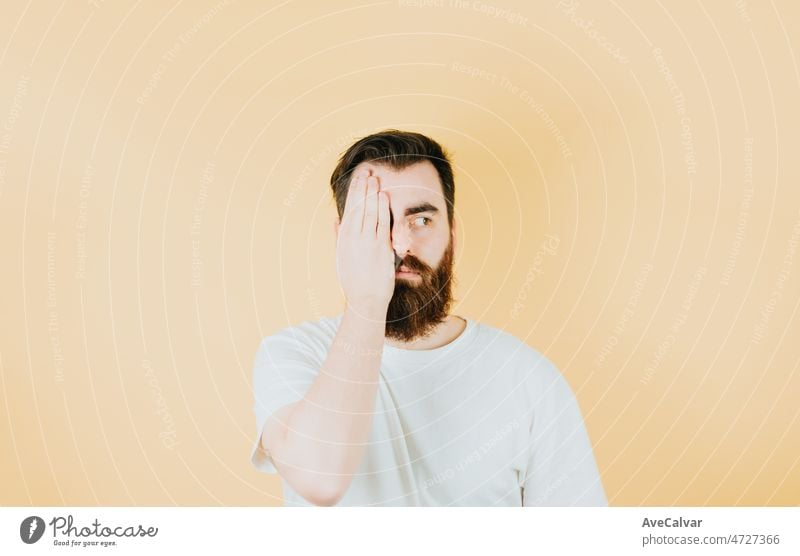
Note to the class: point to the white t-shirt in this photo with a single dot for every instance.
(482, 421)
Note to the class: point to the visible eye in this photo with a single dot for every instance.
(421, 221)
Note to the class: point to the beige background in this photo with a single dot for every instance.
(164, 204)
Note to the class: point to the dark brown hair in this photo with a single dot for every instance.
(398, 150)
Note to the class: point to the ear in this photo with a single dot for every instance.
(454, 234)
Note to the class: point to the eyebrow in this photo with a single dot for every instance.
(422, 207)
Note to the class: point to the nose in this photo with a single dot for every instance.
(401, 238)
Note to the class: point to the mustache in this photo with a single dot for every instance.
(410, 261)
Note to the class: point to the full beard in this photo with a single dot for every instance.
(415, 310)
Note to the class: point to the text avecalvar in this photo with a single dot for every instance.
(672, 522)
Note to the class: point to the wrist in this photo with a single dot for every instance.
(370, 308)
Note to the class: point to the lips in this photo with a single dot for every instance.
(406, 269)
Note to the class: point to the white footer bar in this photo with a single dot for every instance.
(389, 531)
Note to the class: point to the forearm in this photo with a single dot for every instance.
(326, 432)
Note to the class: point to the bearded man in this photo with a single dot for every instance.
(395, 401)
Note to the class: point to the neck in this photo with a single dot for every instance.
(444, 333)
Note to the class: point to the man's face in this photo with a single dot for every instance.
(422, 237)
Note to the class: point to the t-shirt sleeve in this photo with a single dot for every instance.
(284, 369)
(561, 469)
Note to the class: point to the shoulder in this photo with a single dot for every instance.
(306, 337)
(516, 350)
(535, 369)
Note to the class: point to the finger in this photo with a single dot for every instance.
(354, 206)
(371, 205)
(384, 216)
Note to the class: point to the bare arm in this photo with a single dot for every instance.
(318, 442)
